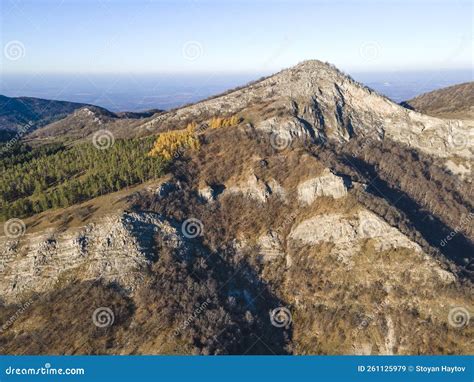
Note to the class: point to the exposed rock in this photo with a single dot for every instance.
(207, 193)
(322, 102)
(257, 189)
(270, 246)
(276, 189)
(285, 130)
(463, 170)
(327, 184)
(348, 232)
(116, 248)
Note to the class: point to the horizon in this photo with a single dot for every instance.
(145, 91)
(90, 37)
(161, 54)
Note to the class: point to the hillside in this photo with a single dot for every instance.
(452, 102)
(16, 112)
(84, 122)
(301, 214)
(43, 119)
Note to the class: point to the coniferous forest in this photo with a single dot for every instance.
(35, 179)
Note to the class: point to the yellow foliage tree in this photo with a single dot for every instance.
(217, 122)
(173, 143)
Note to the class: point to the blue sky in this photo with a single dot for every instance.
(99, 36)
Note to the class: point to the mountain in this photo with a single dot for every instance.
(85, 121)
(452, 102)
(16, 112)
(56, 119)
(301, 214)
(316, 101)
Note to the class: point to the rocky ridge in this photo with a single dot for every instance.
(322, 103)
(340, 242)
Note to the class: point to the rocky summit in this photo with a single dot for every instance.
(303, 213)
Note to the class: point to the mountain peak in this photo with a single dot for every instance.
(316, 100)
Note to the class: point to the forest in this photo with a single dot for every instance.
(35, 179)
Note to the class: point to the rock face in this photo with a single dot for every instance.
(116, 248)
(348, 232)
(327, 184)
(270, 246)
(285, 129)
(321, 102)
(257, 189)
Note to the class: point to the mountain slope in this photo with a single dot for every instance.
(84, 122)
(452, 102)
(295, 219)
(316, 100)
(47, 119)
(16, 112)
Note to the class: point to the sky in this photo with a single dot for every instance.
(103, 36)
